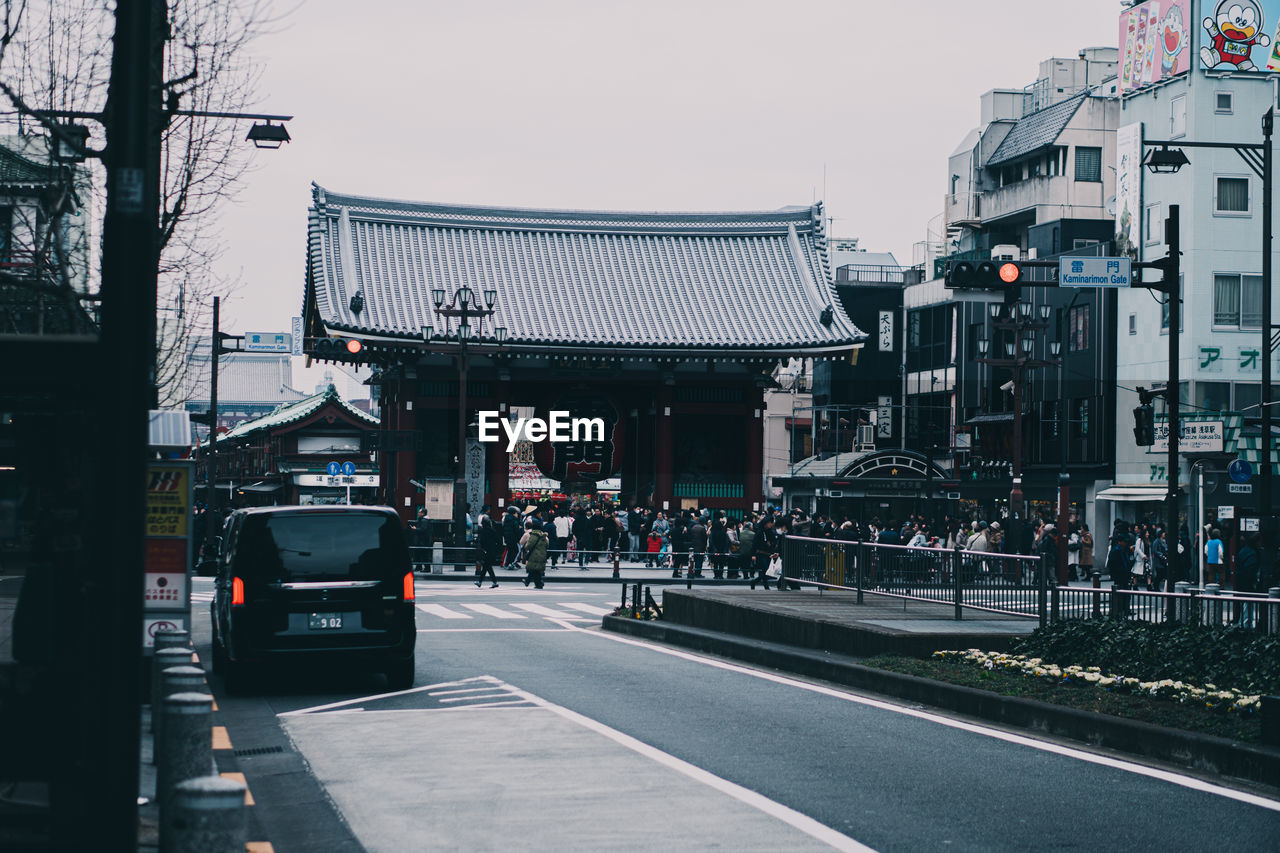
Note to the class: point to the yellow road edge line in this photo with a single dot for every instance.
(221, 740)
(259, 847)
(239, 777)
(215, 704)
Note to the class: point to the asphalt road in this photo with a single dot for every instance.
(529, 728)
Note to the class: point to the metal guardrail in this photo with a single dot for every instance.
(1013, 584)
(1187, 605)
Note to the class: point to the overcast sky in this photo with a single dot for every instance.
(656, 105)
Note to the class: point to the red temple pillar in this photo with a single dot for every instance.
(753, 487)
(664, 459)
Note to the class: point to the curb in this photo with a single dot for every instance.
(1206, 753)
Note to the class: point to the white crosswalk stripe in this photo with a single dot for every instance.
(547, 611)
(587, 608)
(490, 610)
(442, 611)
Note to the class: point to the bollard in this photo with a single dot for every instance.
(161, 660)
(206, 816)
(1213, 613)
(175, 679)
(1182, 611)
(186, 751)
(616, 558)
(172, 638)
(624, 597)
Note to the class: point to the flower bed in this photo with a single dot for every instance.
(1209, 695)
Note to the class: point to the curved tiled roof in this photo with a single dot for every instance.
(291, 412)
(756, 280)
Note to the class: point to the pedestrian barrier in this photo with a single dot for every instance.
(1186, 605)
(185, 750)
(1000, 583)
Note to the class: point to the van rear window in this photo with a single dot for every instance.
(288, 548)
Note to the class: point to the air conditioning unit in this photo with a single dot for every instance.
(1006, 252)
(866, 438)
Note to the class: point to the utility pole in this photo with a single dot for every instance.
(211, 452)
(101, 812)
(1265, 496)
(1172, 271)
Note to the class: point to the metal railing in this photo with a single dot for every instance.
(1013, 584)
(1187, 605)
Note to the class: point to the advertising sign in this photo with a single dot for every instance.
(1238, 35)
(295, 332)
(1155, 42)
(1129, 189)
(885, 328)
(167, 548)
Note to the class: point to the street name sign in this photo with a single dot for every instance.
(1197, 437)
(1094, 272)
(268, 342)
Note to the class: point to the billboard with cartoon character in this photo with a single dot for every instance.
(1155, 42)
(1239, 35)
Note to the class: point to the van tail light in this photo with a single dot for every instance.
(407, 594)
(237, 592)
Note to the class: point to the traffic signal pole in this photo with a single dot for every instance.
(1172, 287)
(212, 517)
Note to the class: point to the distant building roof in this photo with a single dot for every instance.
(675, 281)
(292, 412)
(1036, 130)
(250, 378)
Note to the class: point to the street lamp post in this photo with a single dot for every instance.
(1019, 320)
(1167, 157)
(463, 306)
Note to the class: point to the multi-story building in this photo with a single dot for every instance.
(1035, 180)
(1193, 97)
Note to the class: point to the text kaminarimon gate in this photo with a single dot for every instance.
(666, 326)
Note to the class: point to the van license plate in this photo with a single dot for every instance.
(324, 621)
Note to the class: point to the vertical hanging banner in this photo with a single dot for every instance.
(1129, 190)
(167, 555)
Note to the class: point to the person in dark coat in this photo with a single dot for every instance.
(745, 557)
(718, 545)
(1160, 562)
(697, 545)
(488, 544)
(1248, 576)
(511, 536)
(679, 544)
(765, 542)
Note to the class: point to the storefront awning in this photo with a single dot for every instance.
(264, 488)
(993, 418)
(1147, 494)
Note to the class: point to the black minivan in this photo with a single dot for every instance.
(330, 583)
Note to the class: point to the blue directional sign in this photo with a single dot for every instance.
(1094, 272)
(348, 468)
(333, 468)
(1240, 471)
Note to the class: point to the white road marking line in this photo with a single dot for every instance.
(587, 608)
(460, 690)
(442, 611)
(1009, 737)
(490, 610)
(791, 817)
(502, 695)
(486, 679)
(545, 611)
(492, 630)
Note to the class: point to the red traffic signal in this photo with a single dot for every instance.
(983, 275)
(338, 348)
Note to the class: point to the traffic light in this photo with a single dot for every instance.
(1144, 425)
(338, 348)
(983, 275)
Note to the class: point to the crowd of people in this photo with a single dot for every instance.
(688, 540)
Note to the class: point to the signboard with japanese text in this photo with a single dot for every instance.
(268, 342)
(1155, 42)
(1197, 437)
(885, 330)
(167, 548)
(1094, 272)
(1129, 189)
(295, 332)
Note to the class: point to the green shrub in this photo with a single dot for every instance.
(1226, 656)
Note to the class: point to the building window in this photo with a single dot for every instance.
(1237, 301)
(1231, 196)
(1222, 103)
(1213, 396)
(1178, 116)
(1133, 324)
(976, 330)
(1078, 328)
(1150, 234)
(1088, 164)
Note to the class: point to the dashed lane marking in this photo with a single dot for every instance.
(442, 611)
(221, 740)
(546, 611)
(587, 608)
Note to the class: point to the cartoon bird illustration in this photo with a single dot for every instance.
(1172, 35)
(1237, 28)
